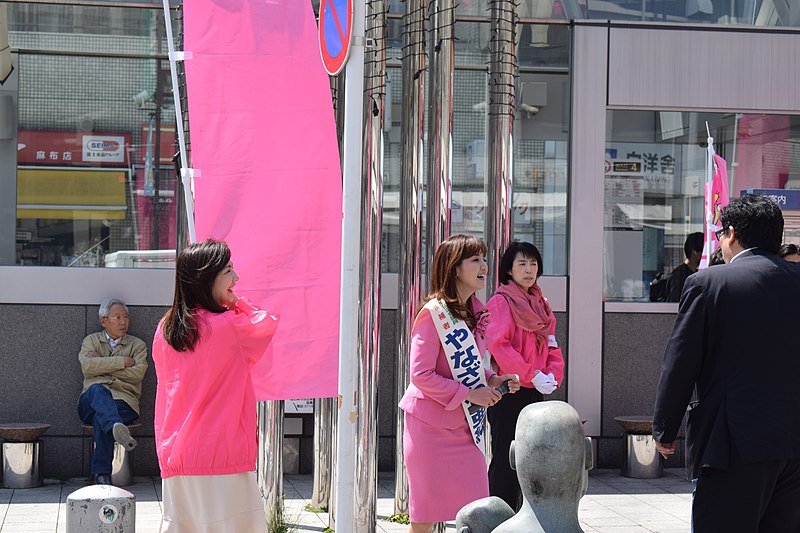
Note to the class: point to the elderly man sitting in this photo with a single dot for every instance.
(113, 365)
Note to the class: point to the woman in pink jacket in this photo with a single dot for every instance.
(522, 341)
(205, 421)
(446, 467)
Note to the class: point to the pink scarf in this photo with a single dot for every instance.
(530, 310)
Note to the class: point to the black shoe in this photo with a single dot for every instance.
(100, 479)
(123, 436)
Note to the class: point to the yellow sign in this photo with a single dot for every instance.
(72, 194)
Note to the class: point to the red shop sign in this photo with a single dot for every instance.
(71, 148)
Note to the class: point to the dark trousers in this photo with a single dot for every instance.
(97, 407)
(503, 422)
(755, 498)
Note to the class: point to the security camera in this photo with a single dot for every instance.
(529, 110)
(480, 106)
(141, 98)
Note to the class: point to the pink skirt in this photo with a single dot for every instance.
(445, 470)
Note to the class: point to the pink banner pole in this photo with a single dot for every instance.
(186, 173)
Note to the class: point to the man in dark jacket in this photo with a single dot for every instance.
(693, 250)
(733, 340)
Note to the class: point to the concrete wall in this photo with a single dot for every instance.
(42, 380)
(633, 349)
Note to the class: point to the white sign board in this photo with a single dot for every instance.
(104, 148)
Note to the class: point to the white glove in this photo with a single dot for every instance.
(544, 383)
(553, 379)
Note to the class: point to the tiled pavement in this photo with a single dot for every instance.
(613, 504)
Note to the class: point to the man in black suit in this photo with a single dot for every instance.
(693, 250)
(735, 340)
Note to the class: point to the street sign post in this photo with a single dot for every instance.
(335, 33)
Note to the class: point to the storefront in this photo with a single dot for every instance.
(609, 161)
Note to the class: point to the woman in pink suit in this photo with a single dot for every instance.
(446, 469)
(522, 340)
(204, 350)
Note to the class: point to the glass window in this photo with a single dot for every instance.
(541, 132)
(392, 165)
(470, 104)
(95, 179)
(655, 173)
(541, 135)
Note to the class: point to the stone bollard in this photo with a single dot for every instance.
(101, 509)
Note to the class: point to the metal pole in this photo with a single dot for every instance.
(186, 173)
(269, 464)
(325, 408)
(323, 420)
(499, 134)
(334, 453)
(182, 224)
(440, 125)
(440, 132)
(158, 101)
(351, 244)
(408, 297)
(734, 162)
(366, 475)
(337, 94)
(337, 90)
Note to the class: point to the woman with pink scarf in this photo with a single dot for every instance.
(522, 341)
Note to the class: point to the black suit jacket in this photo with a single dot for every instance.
(736, 340)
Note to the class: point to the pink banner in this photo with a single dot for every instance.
(716, 197)
(263, 136)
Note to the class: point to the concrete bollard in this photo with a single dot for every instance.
(101, 509)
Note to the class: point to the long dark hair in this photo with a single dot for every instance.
(196, 269)
(449, 255)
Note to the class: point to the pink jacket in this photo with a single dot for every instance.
(514, 349)
(433, 395)
(205, 420)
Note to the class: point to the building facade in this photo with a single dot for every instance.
(614, 103)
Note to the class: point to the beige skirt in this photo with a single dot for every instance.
(213, 504)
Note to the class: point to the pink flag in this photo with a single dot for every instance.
(716, 197)
(263, 137)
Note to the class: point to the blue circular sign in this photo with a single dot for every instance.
(335, 32)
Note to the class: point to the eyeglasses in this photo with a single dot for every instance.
(719, 233)
(118, 318)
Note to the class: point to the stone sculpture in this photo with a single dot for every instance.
(482, 516)
(552, 458)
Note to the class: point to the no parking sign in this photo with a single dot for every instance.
(335, 32)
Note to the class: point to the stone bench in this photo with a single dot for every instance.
(22, 454)
(122, 463)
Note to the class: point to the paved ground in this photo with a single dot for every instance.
(614, 504)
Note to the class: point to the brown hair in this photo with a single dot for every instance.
(195, 271)
(450, 254)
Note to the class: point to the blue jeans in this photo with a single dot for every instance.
(97, 407)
